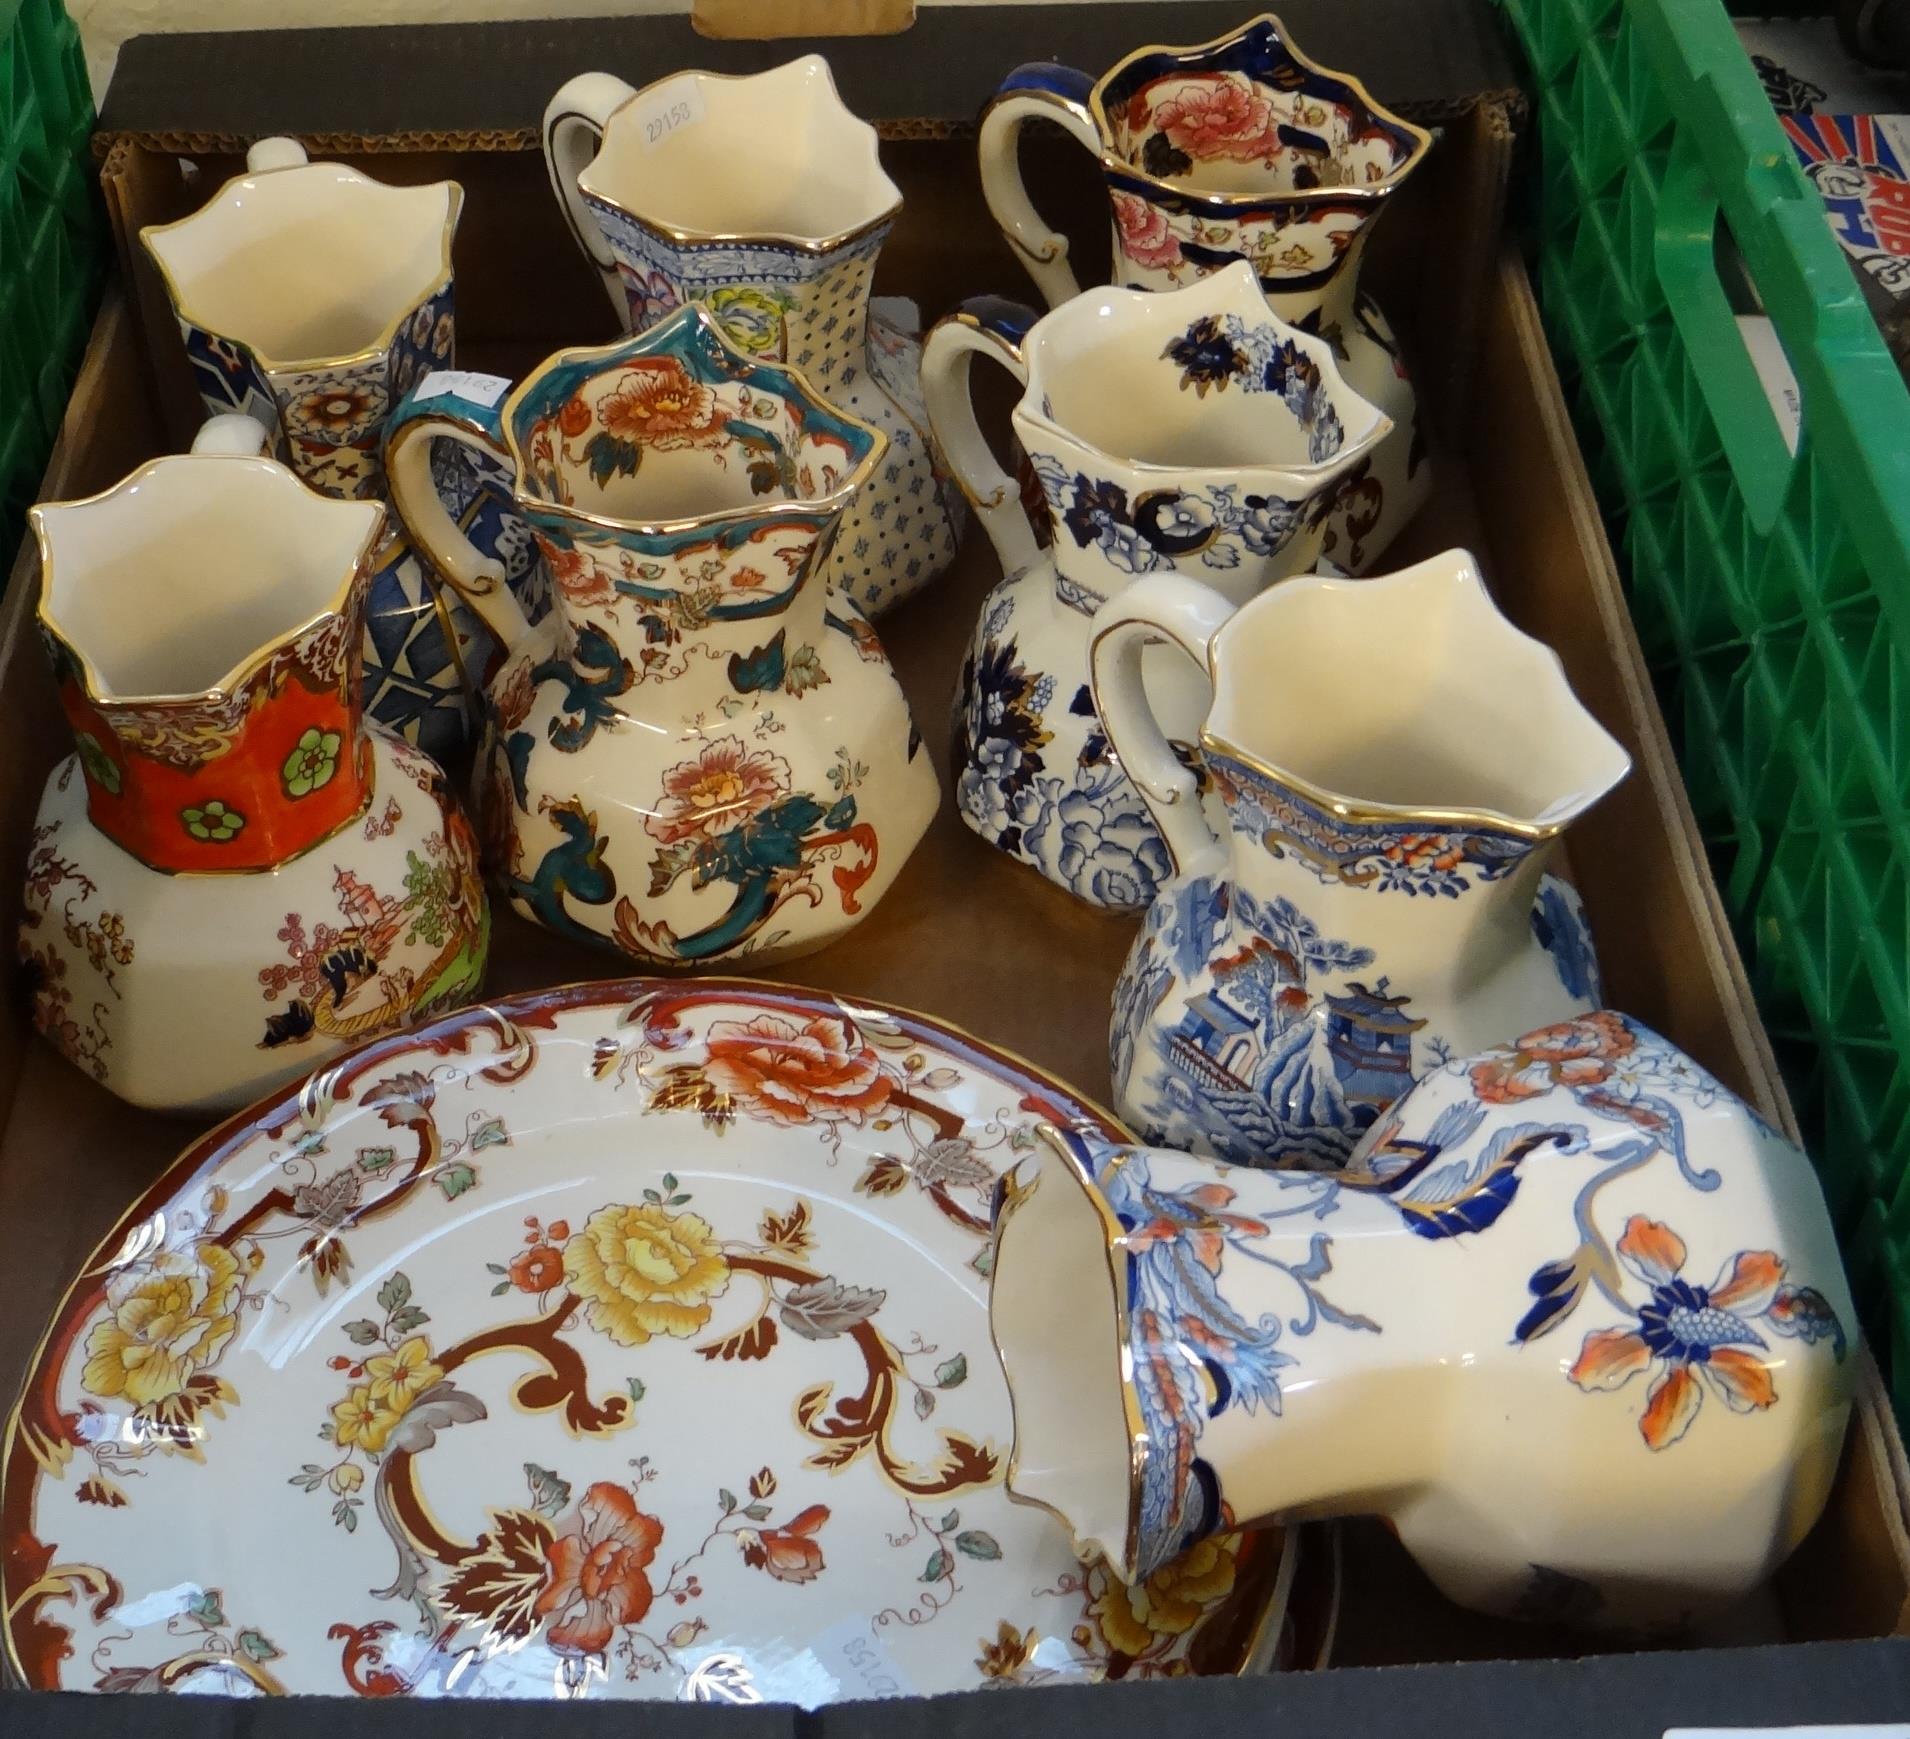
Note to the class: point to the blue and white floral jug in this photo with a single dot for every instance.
(765, 199)
(1395, 762)
(1572, 1320)
(1190, 432)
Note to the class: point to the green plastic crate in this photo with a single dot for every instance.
(51, 242)
(1772, 593)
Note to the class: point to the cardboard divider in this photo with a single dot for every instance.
(965, 934)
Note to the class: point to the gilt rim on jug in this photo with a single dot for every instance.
(388, 334)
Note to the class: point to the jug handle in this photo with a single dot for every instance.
(463, 408)
(1041, 90)
(232, 435)
(991, 326)
(1186, 615)
(574, 124)
(277, 152)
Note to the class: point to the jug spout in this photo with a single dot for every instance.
(1407, 701)
(1185, 431)
(204, 614)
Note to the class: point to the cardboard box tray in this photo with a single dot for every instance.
(970, 937)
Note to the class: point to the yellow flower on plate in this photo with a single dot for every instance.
(1171, 1601)
(345, 1478)
(166, 1321)
(399, 1378)
(645, 1271)
(361, 1420)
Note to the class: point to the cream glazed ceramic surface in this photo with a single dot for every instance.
(1189, 432)
(234, 876)
(703, 754)
(621, 1341)
(1241, 148)
(1572, 1319)
(311, 298)
(764, 199)
(1394, 762)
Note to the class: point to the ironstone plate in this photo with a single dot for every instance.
(627, 1339)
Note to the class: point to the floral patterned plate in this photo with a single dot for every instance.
(628, 1339)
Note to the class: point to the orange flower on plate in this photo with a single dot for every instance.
(599, 1577)
(795, 1072)
(788, 1553)
(537, 1269)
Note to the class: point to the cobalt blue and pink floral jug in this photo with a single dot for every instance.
(1394, 762)
(312, 298)
(1237, 149)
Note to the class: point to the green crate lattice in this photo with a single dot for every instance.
(51, 245)
(1772, 594)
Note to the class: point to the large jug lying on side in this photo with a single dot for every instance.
(1572, 1320)
(702, 755)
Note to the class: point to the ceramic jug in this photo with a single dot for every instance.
(1189, 432)
(1572, 1321)
(1238, 149)
(764, 199)
(1394, 761)
(702, 755)
(312, 298)
(235, 875)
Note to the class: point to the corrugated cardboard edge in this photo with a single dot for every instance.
(767, 20)
(1508, 106)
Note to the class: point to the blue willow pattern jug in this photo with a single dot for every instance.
(1379, 903)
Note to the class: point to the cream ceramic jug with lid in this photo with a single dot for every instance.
(236, 874)
(702, 754)
(763, 198)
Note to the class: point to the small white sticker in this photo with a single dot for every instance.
(1883, 1731)
(1774, 375)
(669, 111)
(859, 1664)
(480, 389)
